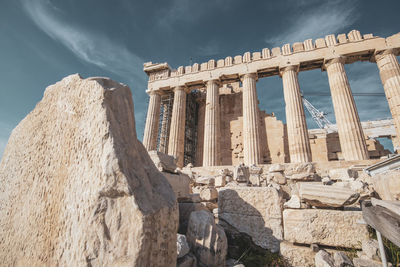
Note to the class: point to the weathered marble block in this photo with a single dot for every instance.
(256, 211)
(79, 189)
(326, 227)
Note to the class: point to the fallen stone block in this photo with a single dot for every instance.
(277, 177)
(363, 262)
(208, 194)
(78, 188)
(302, 176)
(387, 185)
(185, 209)
(256, 211)
(327, 196)
(180, 184)
(241, 174)
(163, 162)
(220, 180)
(276, 168)
(206, 239)
(182, 246)
(325, 227)
(293, 203)
(323, 259)
(370, 249)
(343, 174)
(341, 259)
(205, 180)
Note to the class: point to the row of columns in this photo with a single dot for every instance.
(352, 140)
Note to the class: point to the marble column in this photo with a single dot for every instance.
(211, 125)
(351, 136)
(299, 143)
(251, 135)
(152, 120)
(164, 133)
(200, 129)
(176, 144)
(389, 71)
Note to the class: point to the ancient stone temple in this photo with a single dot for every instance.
(207, 114)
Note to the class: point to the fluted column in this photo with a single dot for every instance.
(211, 125)
(299, 143)
(152, 120)
(251, 135)
(200, 130)
(351, 136)
(176, 144)
(389, 71)
(164, 133)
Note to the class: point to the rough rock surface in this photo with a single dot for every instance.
(78, 188)
(361, 262)
(325, 227)
(206, 239)
(163, 162)
(341, 259)
(297, 256)
(387, 185)
(180, 184)
(208, 194)
(323, 259)
(185, 209)
(342, 174)
(256, 211)
(182, 247)
(327, 196)
(293, 203)
(371, 249)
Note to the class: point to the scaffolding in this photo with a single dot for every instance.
(191, 128)
(167, 101)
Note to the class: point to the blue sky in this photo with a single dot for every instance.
(43, 41)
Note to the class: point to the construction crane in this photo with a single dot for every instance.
(320, 116)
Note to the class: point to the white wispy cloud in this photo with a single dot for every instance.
(87, 45)
(319, 20)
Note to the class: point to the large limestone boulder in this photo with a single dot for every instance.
(206, 239)
(325, 227)
(256, 211)
(78, 188)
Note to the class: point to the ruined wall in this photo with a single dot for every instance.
(231, 145)
(277, 142)
(273, 135)
(326, 147)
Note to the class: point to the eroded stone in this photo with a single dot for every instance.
(78, 188)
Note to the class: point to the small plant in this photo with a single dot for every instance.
(392, 251)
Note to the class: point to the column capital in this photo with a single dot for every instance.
(330, 61)
(380, 54)
(252, 75)
(282, 69)
(153, 92)
(181, 88)
(212, 81)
